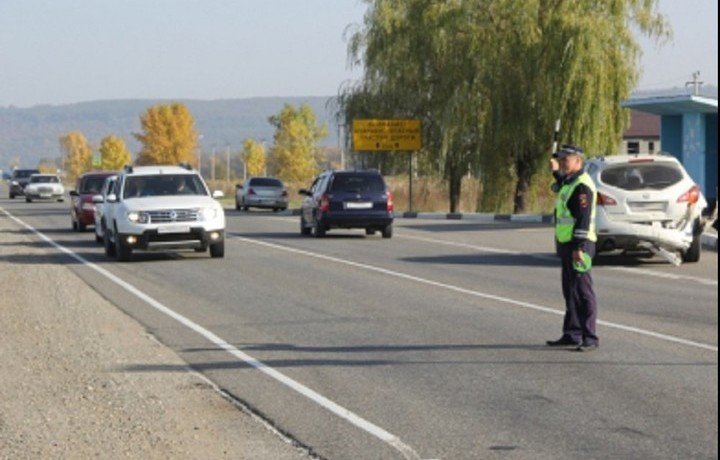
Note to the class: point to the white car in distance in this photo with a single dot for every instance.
(162, 208)
(44, 187)
(647, 202)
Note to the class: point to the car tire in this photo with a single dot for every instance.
(387, 231)
(304, 229)
(11, 196)
(318, 230)
(81, 227)
(28, 199)
(369, 231)
(109, 245)
(692, 255)
(122, 251)
(246, 208)
(237, 206)
(74, 225)
(98, 238)
(217, 250)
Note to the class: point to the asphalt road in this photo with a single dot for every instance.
(428, 345)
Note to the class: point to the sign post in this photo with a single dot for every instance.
(391, 135)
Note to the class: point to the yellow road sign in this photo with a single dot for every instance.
(381, 135)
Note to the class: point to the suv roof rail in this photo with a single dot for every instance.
(185, 165)
(128, 169)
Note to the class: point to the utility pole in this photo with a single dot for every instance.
(212, 165)
(695, 83)
(227, 163)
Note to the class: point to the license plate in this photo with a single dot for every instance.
(356, 205)
(174, 229)
(45, 195)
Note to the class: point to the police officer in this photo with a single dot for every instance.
(575, 235)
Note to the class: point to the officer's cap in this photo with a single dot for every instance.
(568, 149)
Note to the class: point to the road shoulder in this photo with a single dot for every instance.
(65, 387)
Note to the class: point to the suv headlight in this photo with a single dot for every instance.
(15, 182)
(138, 217)
(208, 213)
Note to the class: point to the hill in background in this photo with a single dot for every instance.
(32, 134)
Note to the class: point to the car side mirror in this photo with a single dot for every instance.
(238, 186)
(111, 198)
(218, 194)
(73, 193)
(97, 199)
(302, 191)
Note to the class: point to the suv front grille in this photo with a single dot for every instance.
(174, 215)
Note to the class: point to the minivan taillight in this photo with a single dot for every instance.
(691, 196)
(605, 200)
(325, 203)
(390, 203)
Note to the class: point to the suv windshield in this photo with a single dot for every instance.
(163, 185)
(265, 182)
(92, 184)
(44, 179)
(24, 173)
(652, 176)
(349, 182)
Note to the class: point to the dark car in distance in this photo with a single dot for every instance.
(18, 181)
(82, 208)
(347, 199)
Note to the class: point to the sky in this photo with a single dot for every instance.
(68, 51)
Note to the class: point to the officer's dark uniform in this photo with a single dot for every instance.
(580, 302)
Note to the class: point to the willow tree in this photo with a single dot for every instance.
(168, 136)
(489, 77)
(114, 154)
(573, 60)
(77, 157)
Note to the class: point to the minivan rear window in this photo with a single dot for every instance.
(649, 176)
(357, 183)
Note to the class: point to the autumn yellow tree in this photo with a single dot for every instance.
(114, 153)
(48, 166)
(168, 136)
(77, 157)
(254, 157)
(294, 153)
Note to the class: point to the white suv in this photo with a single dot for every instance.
(647, 202)
(162, 207)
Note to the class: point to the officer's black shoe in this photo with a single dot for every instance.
(585, 347)
(562, 342)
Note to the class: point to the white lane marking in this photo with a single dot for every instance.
(519, 303)
(639, 271)
(319, 399)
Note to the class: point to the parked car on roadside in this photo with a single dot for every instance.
(44, 187)
(160, 208)
(82, 208)
(261, 192)
(100, 201)
(647, 202)
(347, 199)
(18, 180)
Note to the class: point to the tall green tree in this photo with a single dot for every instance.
(294, 154)
(77, 157)
(114, 153)
(168, 136)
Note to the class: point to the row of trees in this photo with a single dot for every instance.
(488, 79)
(168, 136)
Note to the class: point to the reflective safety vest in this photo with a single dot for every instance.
(564, 220)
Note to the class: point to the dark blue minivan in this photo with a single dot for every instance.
(347, 199)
